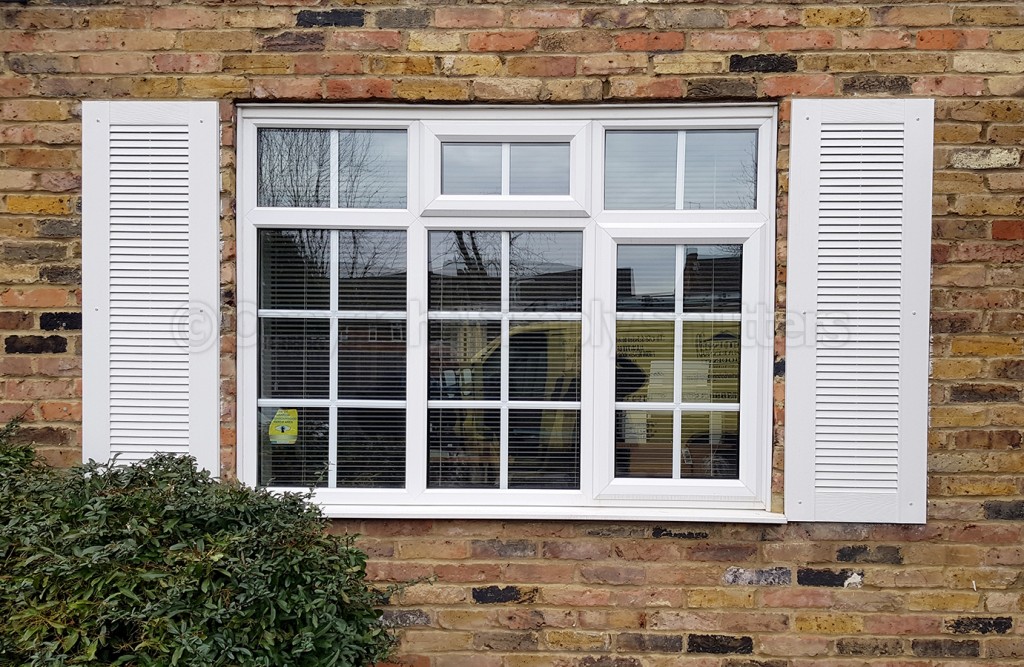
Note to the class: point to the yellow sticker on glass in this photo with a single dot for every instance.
(284, 427)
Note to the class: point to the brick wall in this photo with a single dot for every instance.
(516, 594)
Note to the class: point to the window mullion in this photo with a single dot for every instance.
(506, 250)
(506, 168)
(417, 351)
(332, 382)
(677, 365)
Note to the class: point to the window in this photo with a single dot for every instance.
(520, 313)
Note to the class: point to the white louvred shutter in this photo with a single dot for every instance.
(150, 261)
(857, 300)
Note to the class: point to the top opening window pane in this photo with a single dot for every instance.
(295, 165)
(470, 169)
(645, 171)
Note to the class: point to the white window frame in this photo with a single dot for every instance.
(600, 495)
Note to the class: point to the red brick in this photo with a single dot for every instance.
(949, 86)
(946, 39)
(768, 17)
(1007, 230)
(287, 87)
(875, 39)
(803, 85)
(359, 89)
(800, 40)
(544, 18)
(328, 64)
(667, 88)
(502, 41)
(176, 18)
(468, 17)
(650, 41)
(725, 41)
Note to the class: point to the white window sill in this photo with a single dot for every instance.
(551, 513)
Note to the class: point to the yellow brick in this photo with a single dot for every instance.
(911, 63)
(427, 40)
(956, 369)
(21, 274)
(39, 204)
(217, 40)
(155, 86)
(830, 624)
(432, 89)
(401, 65)
(986, 346)
(471, 65)
(573, 90)
(34, 110)
(1005, 63)
(1008, 40)
(697, 63)
(831, 17)
(945, 417)
(945, 601)
(572, 640)
(417, 641)
(507, 89)
(974, 486)
(214, 86)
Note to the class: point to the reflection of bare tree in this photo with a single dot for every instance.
(294, 167)
(365, 253)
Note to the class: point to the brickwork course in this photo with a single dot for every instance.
(592, 594)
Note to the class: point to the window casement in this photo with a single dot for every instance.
(515, 313)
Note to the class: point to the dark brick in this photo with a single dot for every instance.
(806, 576)
(505, 641)
(767, 62)
(38, 63)
(861, 553)
(984, 393)
(972, 625)
(719, 644)
(1006, 510)
(35, 344)
(15, 319)
(403, 18)
(659, 532)
(60, 321)
(47, 435)
(25, 253)
(501, 595)
(750, 662)
(59, 228)
(405, 618)
(871, 84)
(851, 646)
(775, 576)
(295, 41)
(503, 549)
(721, 88)
(723, 552)
(608, 661)
(61, 275)
(1012, 369)
(616, 531)
(953, 323)
(946, 648)
(640, 642)
(780, 368)
(337, 18)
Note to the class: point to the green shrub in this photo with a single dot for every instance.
(158, 564)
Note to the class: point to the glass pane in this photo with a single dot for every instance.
(371, 272)
(293, 168)
(463, 448)
(646, 278)
(293, 446)
(371, 448)
(720, 170)
(295, 269)
(545, 271)
(643, 443)
(643, 361)
(640, 170)
(544, 449)
(711, 362)
(712, 278)
(371, 359)
(465, 360)
(539, 169)
(465, 271)
(294, 358)
(710, 445)
(470, 169)
(372, 168)
(544, 361)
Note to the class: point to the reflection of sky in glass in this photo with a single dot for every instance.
(539, 169)
(653, 268)
(470, 169)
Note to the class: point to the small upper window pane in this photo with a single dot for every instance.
(539, 169)
(721, 170)
(293, 168)
(372, 168)
(640, 170)
(470, 169)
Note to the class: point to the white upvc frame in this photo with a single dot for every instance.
(600, 496)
